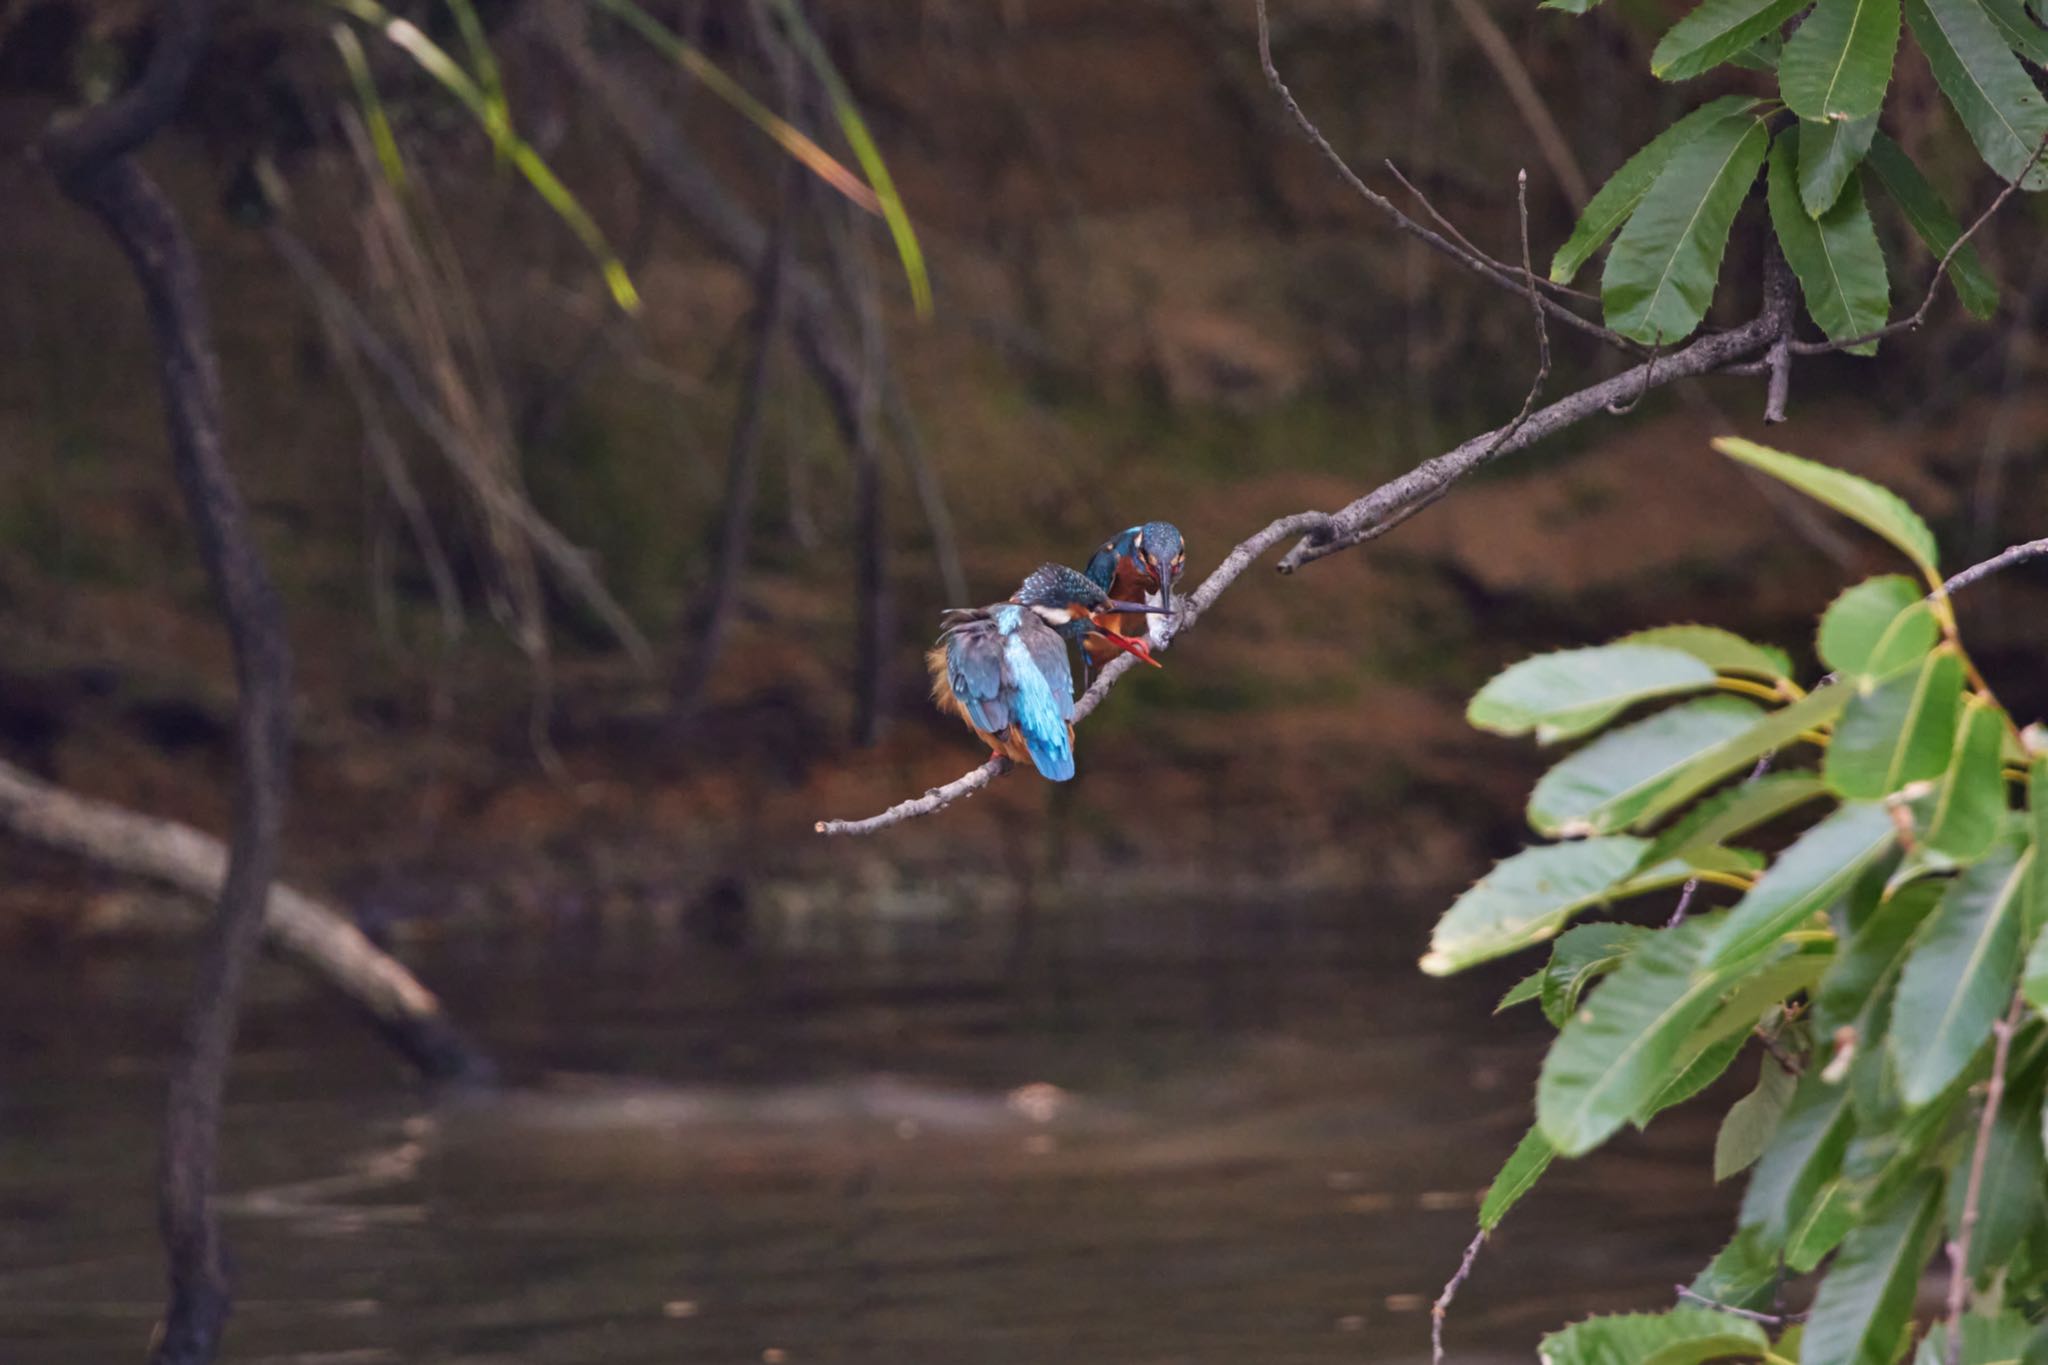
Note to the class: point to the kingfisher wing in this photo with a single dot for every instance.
(1040, 695)
(974, 669)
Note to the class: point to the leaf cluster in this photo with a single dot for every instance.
(1822, 73)
(1874, 957)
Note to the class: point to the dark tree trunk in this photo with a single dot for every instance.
(91, 161)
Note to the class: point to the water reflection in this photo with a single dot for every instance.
(1221, 1150)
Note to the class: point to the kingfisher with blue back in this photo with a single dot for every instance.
(1003, 669)
(1141, 563)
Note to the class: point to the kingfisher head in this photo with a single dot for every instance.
(1157, 550)
(1072, 604)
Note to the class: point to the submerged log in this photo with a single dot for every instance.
(296, 927)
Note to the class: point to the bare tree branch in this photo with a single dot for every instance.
(1919, 315)
(1441, 1309)
(1767, 1319)
(90, 157)
(2004, 559)
(1471, 258)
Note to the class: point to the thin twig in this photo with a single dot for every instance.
(1779, 283)
(1536, 315)
(1624, 408)
(1475, 262)
(1439, 1310)
(1966, 1226)
(1436, 216)
(1767, 1319)
(2004, 559)
(1919, 315)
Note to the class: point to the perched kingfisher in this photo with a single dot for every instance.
(1142, 563)
(1003, 668)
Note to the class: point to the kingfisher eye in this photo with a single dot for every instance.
(1180, 561)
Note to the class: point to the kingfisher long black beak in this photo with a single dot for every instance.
(1166, 592)
(1136, 608)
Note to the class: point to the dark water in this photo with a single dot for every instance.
(1259, 1142)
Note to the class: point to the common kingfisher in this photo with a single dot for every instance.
(1142, 563)
(1003, 669)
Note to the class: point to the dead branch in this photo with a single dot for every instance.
(298, 928)
(1469, 257)
(1441, 1309)
(90, 158)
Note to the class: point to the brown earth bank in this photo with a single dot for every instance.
(1153, 302)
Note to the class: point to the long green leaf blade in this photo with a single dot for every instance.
(1611, 206)
(1734, 811)
(1840, 266)
(1935, 225)
(1601, 788)
(1806, 879)
(1776, 730)
(1721, 650)
(1682, 1336)
(1969, 813)
(1660, 276)
(1877, 627)
(1863, 1306)
(1840, 61)
(2020, 30)
(1985, 84)
(1525, 1166)
(1829, 154)
(1874, 505)
(1527, 898)
(1752, 1121)
(1959, 977)
(1616, 1052)
(1714, 32)
(1573, 691)
(1803, 1158)
(1896, 730)
(1581, 956)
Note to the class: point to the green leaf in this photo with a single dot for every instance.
(491, 116)
(1751, 1120)
(1573, 691)
(1525, 1165)
(1865, 1303)
(1836, 256)
(1733, 811)
(1803, 1158)
(2019, 29)
(1874, 505)
(1721, 650)
(1829, 154)
(1682, 1336)
(1896, 730)
(2037, 825)
(1959, 977)
(1527, 898)
(1743, 1274)
(1582, 956)
(1660, 276)
(1601, 788)
(1776, 730)
(1569, 6)
(1616, 1052)
(1700, 1062)
(1836, 67)
(1969, 812)
(1761, 55)
(1522, 992)
(1806, 879)
(1877, 627)
(1617, 199)
(2000, 1340)
(1855, 986)
(1935, 225)
(1714, 32)
(1988, 88)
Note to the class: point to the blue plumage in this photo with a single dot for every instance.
(1004, 669)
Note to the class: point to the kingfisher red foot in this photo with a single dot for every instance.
(1141, 564)
(1003, 668)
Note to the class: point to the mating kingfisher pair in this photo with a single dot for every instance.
(1003, 669)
